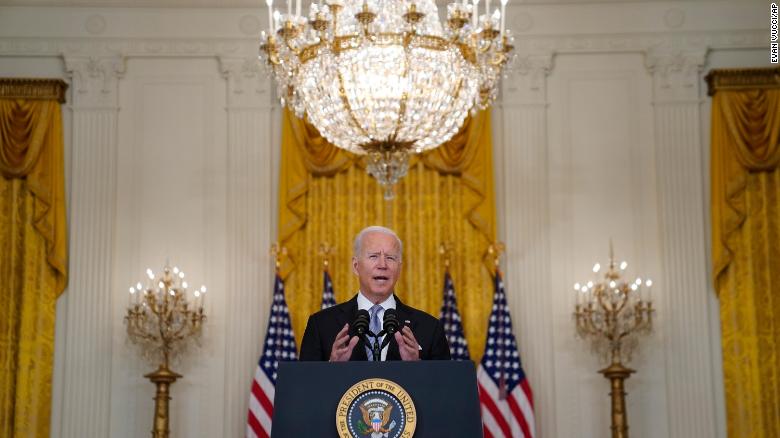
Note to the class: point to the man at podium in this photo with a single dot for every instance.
(402, 332)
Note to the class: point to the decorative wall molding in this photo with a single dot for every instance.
(249, 193)
(691, 405)
(526, 205)
(527, 83)
(691, 408)
(675, 74)
(249, 276)
(571, 193)
(95, 80)
(524, 195)
(217, 19)
(87, 373)
(674, 18)
(95, 24)
(640, 42)
(524, 44)
(248, 86)
(170, 203)
(129, 47)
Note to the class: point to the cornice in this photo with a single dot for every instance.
(128, 47)
(640, 42)
(524, 44)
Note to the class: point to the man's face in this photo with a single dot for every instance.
(377, 265)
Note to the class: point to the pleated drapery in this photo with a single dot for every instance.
(746, 244)
(33, 266)
(447, 196)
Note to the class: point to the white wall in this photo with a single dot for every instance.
(605, 134)
(171, 132)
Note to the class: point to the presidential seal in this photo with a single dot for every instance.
(376, 408)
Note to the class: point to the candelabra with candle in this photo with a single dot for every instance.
(612, 313)
(163, 322)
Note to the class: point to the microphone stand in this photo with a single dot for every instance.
(376, 350)
(388, 334)
(366, 338)
(386, 341)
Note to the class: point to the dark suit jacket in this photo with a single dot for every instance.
(323, 326)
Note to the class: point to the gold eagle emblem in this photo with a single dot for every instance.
(369, 416)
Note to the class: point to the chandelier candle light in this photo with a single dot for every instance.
(385, 78)
(164, 322)
(612, 313)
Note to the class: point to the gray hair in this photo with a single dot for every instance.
(376, 229)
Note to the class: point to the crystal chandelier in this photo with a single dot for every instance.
(385, 78)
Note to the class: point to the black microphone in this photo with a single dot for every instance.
(390, 323)
(361, 322)
(360, 327)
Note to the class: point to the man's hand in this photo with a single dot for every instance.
(343, 345)
(407, 344)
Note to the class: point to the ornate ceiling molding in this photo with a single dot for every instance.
(641, 42)
(129, 47)
(240, 47)
(238, 59)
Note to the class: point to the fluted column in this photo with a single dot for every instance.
(524, 191)
(249, 203)
(86, 383)
(682, 209)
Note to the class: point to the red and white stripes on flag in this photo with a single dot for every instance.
(328, 297)
(504, 393)
(453, 325)
(279, 346)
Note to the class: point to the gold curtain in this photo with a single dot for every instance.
(447, 196)
(746, 244)
(33, 267)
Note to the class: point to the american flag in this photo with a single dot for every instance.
(328, 299)
(504, 392)
(453, 327)
(279, 346)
